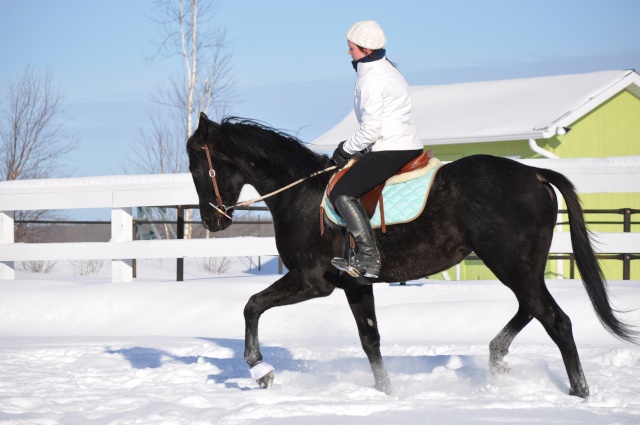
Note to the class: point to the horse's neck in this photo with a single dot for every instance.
(267, 182)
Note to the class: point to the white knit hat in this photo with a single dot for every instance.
(367, 34)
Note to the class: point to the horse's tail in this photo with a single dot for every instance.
(588, 266)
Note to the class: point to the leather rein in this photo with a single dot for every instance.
(222, 209)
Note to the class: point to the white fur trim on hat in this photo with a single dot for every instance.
(367, 34)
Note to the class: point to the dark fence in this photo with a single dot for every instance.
(625, 224)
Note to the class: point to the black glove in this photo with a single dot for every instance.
(340, 156)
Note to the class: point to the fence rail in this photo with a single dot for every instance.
(170, 251)
(121, 193)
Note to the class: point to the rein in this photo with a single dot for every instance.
(222, 209)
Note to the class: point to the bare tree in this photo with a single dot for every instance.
(33, 137)
(203, 84)
(160, 149)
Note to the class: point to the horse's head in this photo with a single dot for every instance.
(210, 167)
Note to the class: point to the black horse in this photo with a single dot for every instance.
(501, 210)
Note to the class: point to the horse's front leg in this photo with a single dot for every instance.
(292, 288)
(363, 308)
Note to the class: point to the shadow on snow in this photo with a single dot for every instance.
(468, 368)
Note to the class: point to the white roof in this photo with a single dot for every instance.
(520, 109)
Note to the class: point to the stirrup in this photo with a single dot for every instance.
(354, 269)
(344, 265)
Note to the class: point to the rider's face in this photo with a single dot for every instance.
(356, 52)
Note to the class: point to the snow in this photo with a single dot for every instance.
(112, 181)
(78, 350)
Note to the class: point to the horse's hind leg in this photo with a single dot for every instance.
(520, 266)
(499, 346)
(536, 301)
(362, 306)
(558, 326)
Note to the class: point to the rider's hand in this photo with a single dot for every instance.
(340, 156)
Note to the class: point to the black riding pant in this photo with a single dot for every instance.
(371, 170)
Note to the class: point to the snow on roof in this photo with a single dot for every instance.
(519, 109)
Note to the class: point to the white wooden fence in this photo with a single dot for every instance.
(121, 193)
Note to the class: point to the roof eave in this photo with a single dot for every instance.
(544, 134)
(630, 82)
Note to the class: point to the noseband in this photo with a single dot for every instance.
(221, 208)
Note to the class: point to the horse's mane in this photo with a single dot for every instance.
(258, 142)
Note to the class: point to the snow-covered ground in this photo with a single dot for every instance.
(83, 350)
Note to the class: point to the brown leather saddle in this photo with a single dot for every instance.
(370, 199)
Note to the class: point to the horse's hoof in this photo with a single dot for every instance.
(500, 368)
(266, 381)
(384, 387)
(582, 392)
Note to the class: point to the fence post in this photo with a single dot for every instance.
(121, 231)
(134, 237)
(7, 270)
(626, 258)
(627, 220)
(572, 264)
(626, 266)
(180, 235)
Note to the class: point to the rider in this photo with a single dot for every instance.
(386, 134)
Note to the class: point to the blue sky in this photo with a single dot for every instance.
(290, 59)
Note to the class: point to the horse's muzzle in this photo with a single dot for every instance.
(216, 224)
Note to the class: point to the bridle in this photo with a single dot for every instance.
(222, 209)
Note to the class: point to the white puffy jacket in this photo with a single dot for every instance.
(383, 108)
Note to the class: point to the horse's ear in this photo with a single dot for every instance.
(205, 123)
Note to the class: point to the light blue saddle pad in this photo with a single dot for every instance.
(403, 202)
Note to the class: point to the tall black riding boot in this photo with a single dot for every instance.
(367, 260)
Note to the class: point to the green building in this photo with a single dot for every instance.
(593, 115)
